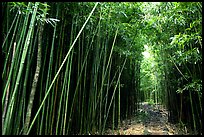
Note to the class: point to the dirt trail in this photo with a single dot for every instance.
(150, 120)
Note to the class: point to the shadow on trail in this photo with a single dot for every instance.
(154, 119)
(149, 120)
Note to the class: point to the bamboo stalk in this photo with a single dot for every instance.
(49, 89)
(35, 80)
(22, 97)
(114, 92)
(27, 42)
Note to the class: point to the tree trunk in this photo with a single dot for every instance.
(34, 84)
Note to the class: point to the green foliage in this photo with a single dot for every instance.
(174, 31)
(195, 86)
(107, 72)
(150, 101)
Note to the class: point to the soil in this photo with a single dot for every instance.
(149, 120)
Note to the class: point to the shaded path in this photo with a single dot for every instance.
(150, 120)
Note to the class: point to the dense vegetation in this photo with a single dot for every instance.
(79, 67)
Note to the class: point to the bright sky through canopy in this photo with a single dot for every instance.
(146, 53)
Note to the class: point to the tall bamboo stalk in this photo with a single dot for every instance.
(35, 80)
(27, 42)
(114, 93)
(49, 89)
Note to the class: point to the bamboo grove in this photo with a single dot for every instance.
(78, 67)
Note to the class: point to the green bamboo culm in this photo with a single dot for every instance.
(26, 44)
(47, 92)
(16, 19)
(6, 89)
(35, 80)
(82, 68)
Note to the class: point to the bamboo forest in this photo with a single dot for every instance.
(101, 68)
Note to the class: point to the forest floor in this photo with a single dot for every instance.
(150, 120)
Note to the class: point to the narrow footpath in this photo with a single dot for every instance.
(150, 120)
